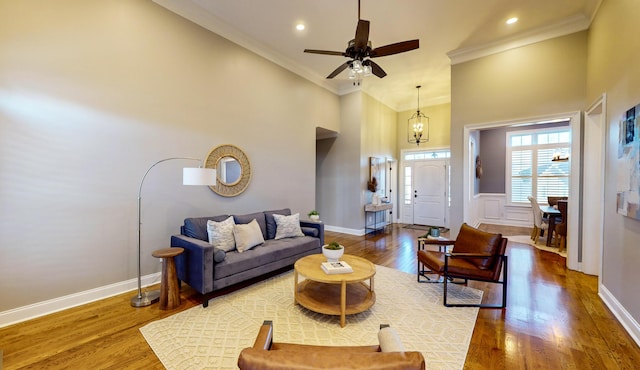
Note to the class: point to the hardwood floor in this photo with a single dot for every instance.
(554, 318)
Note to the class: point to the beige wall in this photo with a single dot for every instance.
(379, 133)
(338, 172)
(368, 129)
(94, 92)
(539, 79)
(439, 127)
(614, 52)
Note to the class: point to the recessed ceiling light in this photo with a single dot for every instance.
(512, 20)
(300, 26)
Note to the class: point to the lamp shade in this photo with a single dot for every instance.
(198, 176)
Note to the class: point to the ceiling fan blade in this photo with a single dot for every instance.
(375, 68)
(325, 52)
(398, 47)
(362, 35)
(338, 70)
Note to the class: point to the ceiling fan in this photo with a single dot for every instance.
(359, 51)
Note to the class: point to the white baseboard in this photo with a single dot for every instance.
(32, 311)
(343, 230)
(627, 321)
(503, 222)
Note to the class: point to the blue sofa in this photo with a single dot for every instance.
(208, 269)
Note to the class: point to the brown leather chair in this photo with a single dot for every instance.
(561, 228)
(267, 354)
(476, 255)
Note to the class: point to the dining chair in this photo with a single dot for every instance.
(540, 224)
(561, 228)
(553, 201)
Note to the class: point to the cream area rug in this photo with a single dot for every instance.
(212, 338)
(540, 244)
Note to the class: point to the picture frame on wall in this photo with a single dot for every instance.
(628, 166)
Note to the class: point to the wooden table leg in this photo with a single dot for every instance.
(295, 287)
(343, 304)
(552, 226)
(169, 288)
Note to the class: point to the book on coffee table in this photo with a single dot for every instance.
(338, 267)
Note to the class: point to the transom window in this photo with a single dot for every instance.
(531, 167)
(435, 154)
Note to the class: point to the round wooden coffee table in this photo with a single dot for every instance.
(337, 294)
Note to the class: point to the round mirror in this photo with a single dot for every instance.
(228, 170)
(233, 170)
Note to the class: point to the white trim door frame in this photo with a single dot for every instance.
(592, 227)
(573, 232)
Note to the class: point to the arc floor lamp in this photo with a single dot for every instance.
(190, 176)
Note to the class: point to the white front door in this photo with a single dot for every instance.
(429, 192)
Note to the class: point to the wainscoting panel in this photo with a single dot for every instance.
(493, 209)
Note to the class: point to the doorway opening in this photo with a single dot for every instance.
(473, 212)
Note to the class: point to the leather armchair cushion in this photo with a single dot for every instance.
(471, 240)
(251, 358)
(457, 266)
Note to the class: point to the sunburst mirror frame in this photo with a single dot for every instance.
(237, 187)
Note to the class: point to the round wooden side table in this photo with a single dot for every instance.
(169, 289)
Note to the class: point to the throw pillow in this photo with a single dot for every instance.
(258, 216)
(221, 234)
(247, 236)
(287, 226)
(271, 223)
(389, 340)
(197, 227)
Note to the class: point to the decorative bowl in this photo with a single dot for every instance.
(333, 255)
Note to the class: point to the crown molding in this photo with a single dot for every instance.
(564, 27)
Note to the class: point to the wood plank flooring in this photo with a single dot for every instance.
(554, 318)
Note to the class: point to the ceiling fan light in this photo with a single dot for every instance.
(352, 74)
(357, 66)
(367, 70)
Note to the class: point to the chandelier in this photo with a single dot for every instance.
(418, 125)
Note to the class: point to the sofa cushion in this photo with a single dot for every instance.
(221, 234)
(288, 226)
(262, 255)
(258, 216)
(196, 227)
(247, 236)
(271, 223)
(310, 231)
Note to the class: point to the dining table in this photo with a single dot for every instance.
(552, 213)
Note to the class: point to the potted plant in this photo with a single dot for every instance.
(314, 215)
(333, 251)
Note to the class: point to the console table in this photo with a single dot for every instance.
(378, 222)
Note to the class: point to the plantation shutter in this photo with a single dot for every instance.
(521, 180)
